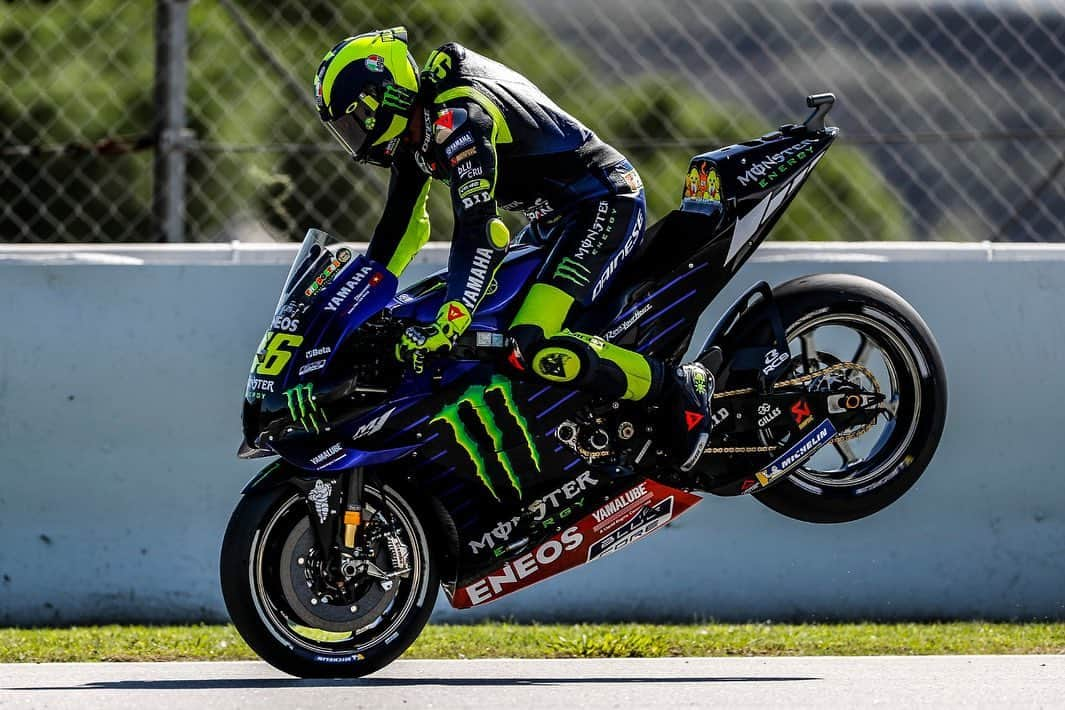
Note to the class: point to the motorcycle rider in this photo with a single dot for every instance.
(498, 141)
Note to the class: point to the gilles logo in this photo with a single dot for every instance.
(484, 420)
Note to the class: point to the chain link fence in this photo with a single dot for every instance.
(135, 121)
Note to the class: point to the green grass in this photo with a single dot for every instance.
(172, 643)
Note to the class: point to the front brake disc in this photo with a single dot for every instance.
(301, 596)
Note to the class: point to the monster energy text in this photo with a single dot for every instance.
(771, 167)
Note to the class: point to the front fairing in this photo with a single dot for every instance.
(329, 294)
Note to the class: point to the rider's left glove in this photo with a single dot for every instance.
(417, 341)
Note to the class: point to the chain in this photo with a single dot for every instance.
(790, 383)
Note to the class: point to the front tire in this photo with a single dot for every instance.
(902, 450)
(267, 547)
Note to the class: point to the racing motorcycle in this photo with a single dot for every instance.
(830, 402)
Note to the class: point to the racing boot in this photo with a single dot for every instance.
(686, 399)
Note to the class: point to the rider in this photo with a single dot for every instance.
(498, 141)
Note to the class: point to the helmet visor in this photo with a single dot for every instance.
(349, 131)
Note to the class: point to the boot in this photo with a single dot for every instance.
(686, 399)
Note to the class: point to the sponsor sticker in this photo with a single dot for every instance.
(615, 511)
(468, 170)
(325, 455)
(494, 408)
(375, 63)
(774, 359)
(467, 189)
(629, 322)
(464, 155)
(539, 209)
(770, 169)
(615, 262)
(799, 451)
(373, 426)
(640, 510)
(703, 183)
(800, 412)
(632, 179)
(447, 121)
(492, 539)
(311, 367)
(349, 287)
(716, 418)
(476, 198)
(256, 384)
(319, 496)
(560, 497)
(645, 521)
(767, 413)
(539, 560)
(464, 140)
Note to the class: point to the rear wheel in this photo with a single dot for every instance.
(832, 319)
(269, 570)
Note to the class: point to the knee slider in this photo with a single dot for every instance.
(558, 364)
(556, 359)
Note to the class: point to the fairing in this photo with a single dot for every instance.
(329, 293)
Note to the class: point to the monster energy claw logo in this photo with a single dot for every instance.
(398, 98)
(572, 270)
(475, 417)
(302, 407)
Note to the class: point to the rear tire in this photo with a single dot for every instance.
(920, 417)
(267, 539)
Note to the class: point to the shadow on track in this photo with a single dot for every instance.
(237, 683)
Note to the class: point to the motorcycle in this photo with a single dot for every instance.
(830, 402)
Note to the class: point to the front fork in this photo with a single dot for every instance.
(349, 526)
(335, 508)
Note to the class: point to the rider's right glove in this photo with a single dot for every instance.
(417, 341)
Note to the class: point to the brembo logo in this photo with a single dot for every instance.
(478, 418)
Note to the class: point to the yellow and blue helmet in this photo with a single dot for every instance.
(365, 89)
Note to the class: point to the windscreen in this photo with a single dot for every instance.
(330, 291)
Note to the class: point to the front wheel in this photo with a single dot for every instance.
(270, 573)
(831, 319)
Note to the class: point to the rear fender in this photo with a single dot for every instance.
(751, 338)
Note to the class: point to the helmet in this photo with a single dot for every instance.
(364, 90)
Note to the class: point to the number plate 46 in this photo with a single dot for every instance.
(275, 351)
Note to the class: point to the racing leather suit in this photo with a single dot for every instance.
(499, 142)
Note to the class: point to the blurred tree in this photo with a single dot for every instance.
(845, 198)
(85, 72)
(73, 74)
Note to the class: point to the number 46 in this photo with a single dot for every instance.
(272, 355)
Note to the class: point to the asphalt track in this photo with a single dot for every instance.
(815, 682)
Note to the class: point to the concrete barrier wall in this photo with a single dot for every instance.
(122, 372)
